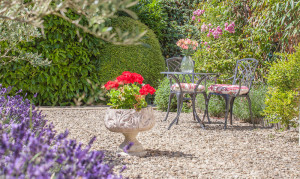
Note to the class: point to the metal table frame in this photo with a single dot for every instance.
(200, 77)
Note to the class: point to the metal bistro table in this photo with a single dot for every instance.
(180, 77)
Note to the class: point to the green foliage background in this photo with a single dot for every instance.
(169, 19)
(72, 64)
(262, 28)
(146, 60)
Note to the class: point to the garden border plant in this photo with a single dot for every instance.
(282, 101)
(31, 148)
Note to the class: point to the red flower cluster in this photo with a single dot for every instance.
(146, 89)
(128, 77)
(112, 84)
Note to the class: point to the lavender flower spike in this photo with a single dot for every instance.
(127, 147)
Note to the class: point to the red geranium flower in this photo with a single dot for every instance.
(128, 77)
(111, 84)
(146, 89)
(125, 78)
(138, 78)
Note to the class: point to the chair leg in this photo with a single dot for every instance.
(251, 116)
(193, 101)
(179, 106)
(169, 105)
(231, 109)
(206, 107)
(227, 105)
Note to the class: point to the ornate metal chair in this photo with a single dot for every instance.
(244, 74)
(184, 84)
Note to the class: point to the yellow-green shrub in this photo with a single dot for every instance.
(283, 94)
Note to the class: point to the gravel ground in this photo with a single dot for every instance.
(187, 151)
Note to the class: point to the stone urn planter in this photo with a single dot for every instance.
(130, 122)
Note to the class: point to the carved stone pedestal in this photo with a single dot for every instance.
(130, 122)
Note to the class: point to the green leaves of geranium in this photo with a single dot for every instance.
(127, 97)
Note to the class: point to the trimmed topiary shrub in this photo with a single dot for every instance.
(66, 76)
(146, 60)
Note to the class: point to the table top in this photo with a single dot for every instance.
(186, 73)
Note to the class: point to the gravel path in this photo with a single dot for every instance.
(187, 151)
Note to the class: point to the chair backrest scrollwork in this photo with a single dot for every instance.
(245, 71)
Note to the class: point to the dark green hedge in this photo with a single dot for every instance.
(72, 64)
(169, 19)
(145, 60)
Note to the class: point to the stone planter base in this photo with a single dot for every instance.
(136, 149)
(130, 122)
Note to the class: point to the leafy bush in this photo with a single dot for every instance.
(241, 107)
(145, 60)
(283, 94)
(219, 54)
(178, 13)
(151, 13)
(162, 98)
(216, 107)
(262, 28)
(274, 25)
(30, 147)
(72, 64)
(169, 21)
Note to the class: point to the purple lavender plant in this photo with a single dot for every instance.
(30, 148)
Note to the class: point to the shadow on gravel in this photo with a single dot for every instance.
(169, 154)
(113, 158)
(220, 126)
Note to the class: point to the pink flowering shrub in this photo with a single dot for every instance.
(209, 33)
(230, 27)
(220, 40)
(204, 27)
(216, 32)
(198, 12)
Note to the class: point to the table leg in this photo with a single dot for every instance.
(179, 107)
(195, 113)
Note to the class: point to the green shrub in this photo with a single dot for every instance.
(145, 60)
(216, 107)
(162, 98)
(61, 81)
(241, 107)
(169, 21)
(224, 51)
(283, 94)
(261, 29)
(150, 12)
(178, 12)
